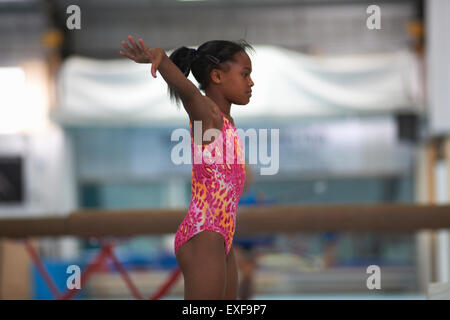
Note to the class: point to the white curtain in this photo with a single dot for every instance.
(288, 84)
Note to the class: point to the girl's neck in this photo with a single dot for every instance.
(223, 104)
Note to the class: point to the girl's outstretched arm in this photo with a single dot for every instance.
(193, 101)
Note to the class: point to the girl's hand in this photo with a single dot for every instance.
(141, 54)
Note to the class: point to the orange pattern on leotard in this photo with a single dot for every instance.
(217, 184)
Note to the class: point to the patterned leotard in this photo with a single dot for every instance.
(217, 184)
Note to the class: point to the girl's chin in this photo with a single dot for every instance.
(242, 102)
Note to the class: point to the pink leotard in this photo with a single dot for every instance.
(216, 187)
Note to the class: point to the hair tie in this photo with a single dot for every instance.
(194, 53)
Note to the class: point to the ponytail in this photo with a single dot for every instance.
(183, 58)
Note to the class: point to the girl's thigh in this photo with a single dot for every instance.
(203, 263)
(231, 289)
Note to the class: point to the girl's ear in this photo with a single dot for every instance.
(216, 76)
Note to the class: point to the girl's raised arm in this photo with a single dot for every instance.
(193, 101)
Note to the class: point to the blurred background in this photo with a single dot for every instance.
(357, 105)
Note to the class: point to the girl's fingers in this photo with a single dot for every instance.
(133, 43)
(127, 47)
(126, 54)
(141, 42)
(153, 70)
(155, 65)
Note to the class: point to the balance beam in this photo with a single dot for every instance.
(250, 220)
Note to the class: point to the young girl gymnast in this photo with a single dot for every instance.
(203, 241)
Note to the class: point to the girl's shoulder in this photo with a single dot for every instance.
(216, 120)
(211, 106)
(216, 113)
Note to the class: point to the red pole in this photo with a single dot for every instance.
(106, 251)
(88, 271)
(169, 283)
(134, 290)
(42, 270)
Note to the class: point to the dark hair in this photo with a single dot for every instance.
(208, 56)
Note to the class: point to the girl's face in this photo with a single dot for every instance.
(236, 84)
